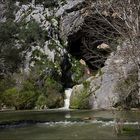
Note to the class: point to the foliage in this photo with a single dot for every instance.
(41, 101)
(51, 96)
(16, 39)
(81, 101)
(26, 92)
(54, 99)
(51, 83)
(10, 54)
(27, 100)
(81, 98)
(78, 71)
(20, 100)
(11, 97)
(5, 84)
(31, 32)
(10, 9)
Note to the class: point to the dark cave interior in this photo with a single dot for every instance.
(93, 57)
(74, 45)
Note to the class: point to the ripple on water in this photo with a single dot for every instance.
(102, 123)
(64, 123)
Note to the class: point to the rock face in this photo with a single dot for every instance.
(115, 85)
(2, 11)
(71, 17)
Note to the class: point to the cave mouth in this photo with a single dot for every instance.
(93, 57)
(84, 44)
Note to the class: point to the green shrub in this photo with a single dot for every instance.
(28, 85)
(41, 101)
(31, 32)
(6, 83)
(78, 71)
(54, 99)
(27, 100)
(11, 98)
(80, 99)
(20, 100)
(8, 31)
(51, 84)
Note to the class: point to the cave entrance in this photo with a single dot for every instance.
(94, 41)
(78, 47)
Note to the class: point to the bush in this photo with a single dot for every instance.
(54, 99)
(11, 98)
(20, 100)
(31, 32)
(41, 102)
(27, 100)
(50, 83)
(80, 99)
(8, 31)
(78, 71)
(52, 89)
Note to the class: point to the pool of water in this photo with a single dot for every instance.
(70, 125)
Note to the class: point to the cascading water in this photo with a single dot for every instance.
(67, 98)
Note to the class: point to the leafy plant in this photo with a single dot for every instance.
(80, 100)
(78, 70)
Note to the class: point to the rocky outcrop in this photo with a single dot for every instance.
(71, 17)
(115, 85)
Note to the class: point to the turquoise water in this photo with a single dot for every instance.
(70, 125)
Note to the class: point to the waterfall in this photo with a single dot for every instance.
(67, 98)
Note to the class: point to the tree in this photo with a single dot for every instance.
(127, 25)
